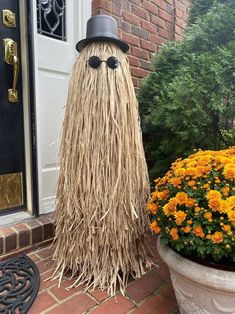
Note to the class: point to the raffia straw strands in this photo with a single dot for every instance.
(103, 183)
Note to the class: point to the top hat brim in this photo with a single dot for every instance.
(84, 42)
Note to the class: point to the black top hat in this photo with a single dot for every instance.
(102, 28)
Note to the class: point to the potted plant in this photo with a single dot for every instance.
(193, 209)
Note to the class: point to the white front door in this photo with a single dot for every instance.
(59, 24)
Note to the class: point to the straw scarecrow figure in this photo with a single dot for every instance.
(103, 182)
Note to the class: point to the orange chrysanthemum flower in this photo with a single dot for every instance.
(208, 216)
(217, 237)
(226, 228)
(187, 229)
(198, 231)
(213, 194)
(152, 207)
(189, 202)
(175, 181)
(215, 204)
(231, 215)
(180, 217)
(229, 171)
(154, 227)
(174, 233)
(170, 207)
(181, 197)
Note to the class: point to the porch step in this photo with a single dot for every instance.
(23, 237)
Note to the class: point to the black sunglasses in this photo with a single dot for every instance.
(112, 62)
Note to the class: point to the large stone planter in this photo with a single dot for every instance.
(199, 289)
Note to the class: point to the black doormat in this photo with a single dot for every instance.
(19, 284)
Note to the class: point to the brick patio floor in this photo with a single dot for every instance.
(153, 293)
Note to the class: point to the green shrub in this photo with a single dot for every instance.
(188, 100)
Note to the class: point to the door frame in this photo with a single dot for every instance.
(28, 82)
(27, 77)
(29, 57)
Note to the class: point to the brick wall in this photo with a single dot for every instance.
(145, 25)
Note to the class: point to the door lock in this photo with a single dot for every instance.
(11, 57)
(8, 18)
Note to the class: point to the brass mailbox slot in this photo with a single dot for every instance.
(11, 190)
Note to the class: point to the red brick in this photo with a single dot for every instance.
(152, 8)
(37, 234)
(33, 223)
(157, 21)
(139, 32)
(145, 286)
(180, 23)
(20, 227)
(43, 302)
(117, 305)
(131, 18)
(165, 34)
(34, 257)
(7, 231)
(24, 238)
(179, 13)
(77, 304)
(43, 219)
(44, 265)
(140, 12)
(180, 6)
(148, 46)
(126, 27)
(165, 16)
(107, 5)
(163, 271)
(126, 6)
(155, 305)
(61, 293)
(178, 30)
(116, 9)
(136, 82)
(96, 4)
(149, 27)
(46, 252)
(134, 1)
(133, 61)
(146, 65)
(99, 295)
(140, 53)
(130, 39)
(1, 245)
(138, 72)
(10, 241)
(168, 292)
(45, 282)
(48, 231)
(156, 39)
(159, 3)
(168, 27)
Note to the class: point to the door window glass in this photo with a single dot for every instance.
(51, 16)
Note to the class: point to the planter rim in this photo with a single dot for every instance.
(221, 279)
